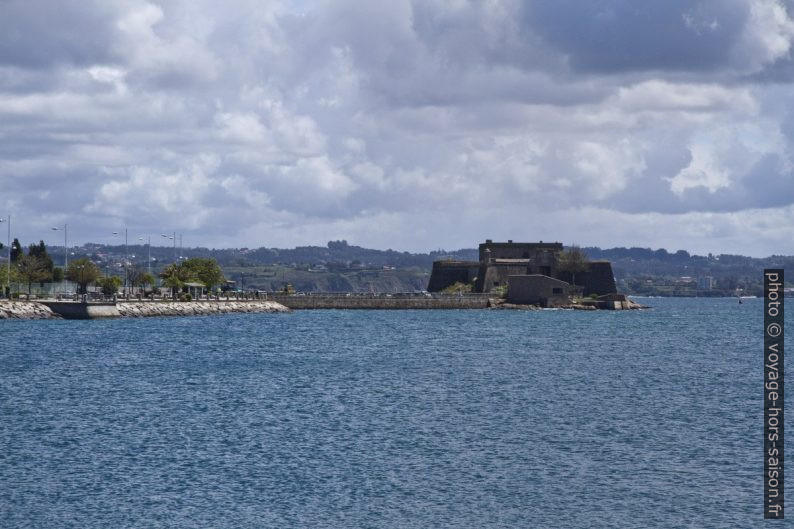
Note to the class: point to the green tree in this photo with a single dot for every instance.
(134, 274)
(573, 261)
(174, 283)
(140, 278)
(175, 276)
(146, 280)
(4, 279)
(205, 270)
(82, 271)
(57, 274)
(39, 251)
(16, 250)
(32, 269)
(110, 285)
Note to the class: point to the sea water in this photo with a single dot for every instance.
(409, 419)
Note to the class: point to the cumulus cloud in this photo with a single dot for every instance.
(407, 124)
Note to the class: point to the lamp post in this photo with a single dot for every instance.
(126, 260)
(148, 254)
(173, 238)
(81, 279)
(65, 252)
(148, 258)
(8, 277)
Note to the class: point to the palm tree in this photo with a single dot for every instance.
(175, 276)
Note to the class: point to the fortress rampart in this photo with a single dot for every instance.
(501, 260)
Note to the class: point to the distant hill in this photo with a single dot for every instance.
(343, 267)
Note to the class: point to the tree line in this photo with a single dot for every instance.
(37, 266)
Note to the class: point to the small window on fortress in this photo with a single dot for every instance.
(525, 255)
(496, 283)
(556, 290)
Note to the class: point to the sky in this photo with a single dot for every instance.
(411, 125)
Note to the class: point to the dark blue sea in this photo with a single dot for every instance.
(398, 419)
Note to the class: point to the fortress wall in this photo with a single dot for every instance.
(446, 273)
(598, 279)
(489, 275)
(518, 250)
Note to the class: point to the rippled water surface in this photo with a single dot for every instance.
(386, 419)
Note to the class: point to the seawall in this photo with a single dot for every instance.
(397, 302)
(74, 310)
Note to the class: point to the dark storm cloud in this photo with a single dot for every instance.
(45, 33)
(768, 184)
(626, 35)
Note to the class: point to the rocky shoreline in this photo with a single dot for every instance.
(583, 305)
(143, 309)
(26, 310)
(33, 310)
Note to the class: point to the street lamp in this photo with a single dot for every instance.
(8, 277)
(172, 237)
(65, 253)
(81, 279)
(148, 253)
(126, 260)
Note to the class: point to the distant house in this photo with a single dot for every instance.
(705, 283)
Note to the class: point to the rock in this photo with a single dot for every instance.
(25, 310)
(195, 308)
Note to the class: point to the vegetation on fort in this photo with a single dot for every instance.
(500, 291)
(572, 260)
(458, 287)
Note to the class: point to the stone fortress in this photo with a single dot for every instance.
(531, 272)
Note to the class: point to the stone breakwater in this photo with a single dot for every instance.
(383, 302)
(141, 309)
(33, 310)
(26, 310)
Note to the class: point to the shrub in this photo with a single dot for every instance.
(457, 287)
(500, 291)
(185, 297)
